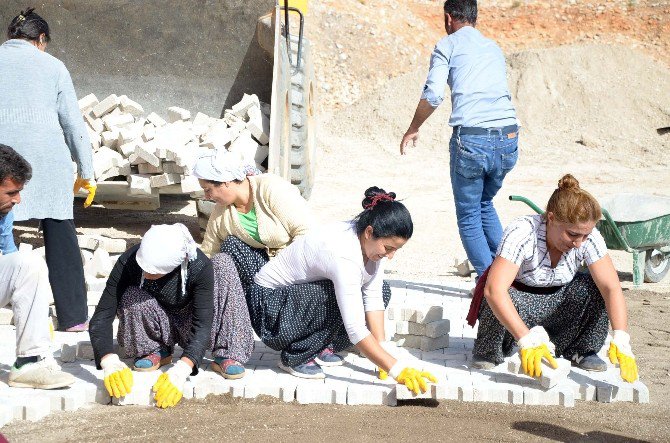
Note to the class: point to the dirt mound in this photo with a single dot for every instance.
(586, 100)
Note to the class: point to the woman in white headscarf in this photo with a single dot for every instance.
(165, 291)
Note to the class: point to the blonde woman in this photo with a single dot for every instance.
(533, 294)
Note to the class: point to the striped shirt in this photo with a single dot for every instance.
(524, 243)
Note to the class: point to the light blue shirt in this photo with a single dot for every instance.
(474, 68)
(7, 245)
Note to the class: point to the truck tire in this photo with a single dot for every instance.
(303, 135)
(656, 266)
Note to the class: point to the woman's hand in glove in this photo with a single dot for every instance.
(118, 378)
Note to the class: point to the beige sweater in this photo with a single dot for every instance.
(281, 212)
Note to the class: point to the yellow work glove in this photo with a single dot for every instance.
(536, 346)
(621, 353)
(413, 379)
(118, 378)
(382, 374)
(170, 386)
(89, 186)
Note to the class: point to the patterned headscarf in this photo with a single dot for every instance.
(163, 248)
(223, 166)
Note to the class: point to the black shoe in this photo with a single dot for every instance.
(589, 362)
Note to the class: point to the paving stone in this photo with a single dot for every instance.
(550, 377)
(437, 328)
(176, 113)
(87, 102)
(640, 392)
(131, 107)
(68, 354)
(106, 105)
(6, 414)
(141, 393)
(365, 394)
(424, 314)
(403, 393)
(36, 408)
(85, 350)
(156, 120)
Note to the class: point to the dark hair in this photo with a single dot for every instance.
(28, 26)
(388, 217)
(13, 166)
(462, 10)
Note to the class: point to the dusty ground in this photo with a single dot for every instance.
(223, 417)
(589, 80)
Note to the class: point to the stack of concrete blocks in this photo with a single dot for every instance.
(421, 327)
(152, 153)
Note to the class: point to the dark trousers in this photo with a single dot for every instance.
(66, 271)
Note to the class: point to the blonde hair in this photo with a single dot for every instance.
(571, 204)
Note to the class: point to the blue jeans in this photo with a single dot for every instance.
(478, 165)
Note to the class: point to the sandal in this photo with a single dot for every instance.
(228, 368)
(153, 361)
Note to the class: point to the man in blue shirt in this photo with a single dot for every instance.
(24, 282)
(483, 146)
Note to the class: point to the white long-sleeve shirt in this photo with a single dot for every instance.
(331, 252)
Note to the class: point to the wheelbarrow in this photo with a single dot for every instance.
(639, 224)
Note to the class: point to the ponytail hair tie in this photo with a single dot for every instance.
(385, 197)
(21, 18)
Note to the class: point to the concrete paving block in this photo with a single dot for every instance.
(6, 414)
(95, 124)
(640, 392)
(437, 328)
(37, 407)
(258, 125)
(416, 328)
(408, 341)
(550, 377)
(110, 139)
(25, 247)
(175, 113)
(95, 284)
(566, 397)
(288, 392)
(68, 354)
(130, 106)
(106, 105)
(390, 312)
(241, 108)
(532, 396)
(116, 121)
(87, 102)
(101, 264)
(156, 120)
(189, 390)
(97, 393)
(172, 168)
(140, 184)
(158, 181)
(422, 314)
(402, 327)
(147, 168)
(141, 393)
(362, 394)
(431, 344)
(85, 350)
(146, 152)
(6, 316)
(237, 390)
(128, 149)
(148, 132)
(403, 393)
(190, 184)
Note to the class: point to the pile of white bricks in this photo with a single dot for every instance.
(420, 327)
(151, 152)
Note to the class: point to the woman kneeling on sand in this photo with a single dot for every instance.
(533, 293)
(165, 291)
(327, 289)
(253, 210)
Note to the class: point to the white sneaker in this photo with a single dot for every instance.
(44, 374)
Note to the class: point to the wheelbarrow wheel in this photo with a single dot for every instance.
(656, 266)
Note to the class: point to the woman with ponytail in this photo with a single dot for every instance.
(164, 292)
(327, 289)
(534, 295)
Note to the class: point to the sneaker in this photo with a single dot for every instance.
(480, 363)
(306, 370)
(228, 368)
(589, 362)
(81, 327)
(153, 361)
(328, 357)
(44, 374)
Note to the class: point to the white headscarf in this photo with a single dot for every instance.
(222, 165)
(163, 248)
